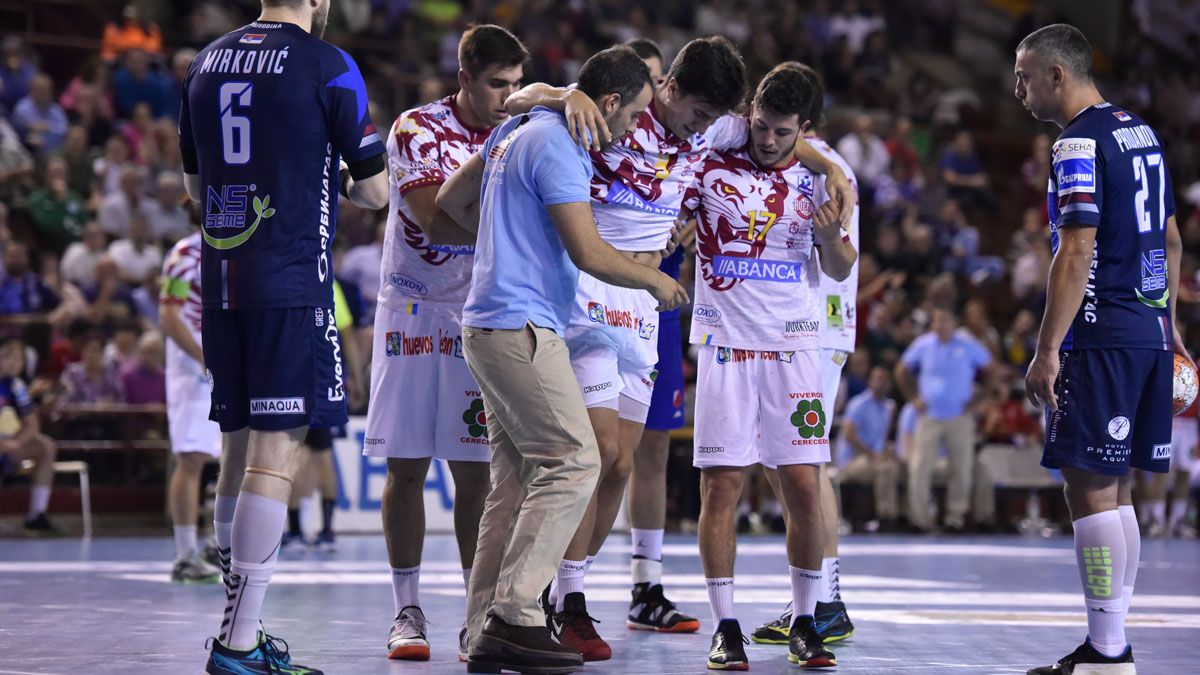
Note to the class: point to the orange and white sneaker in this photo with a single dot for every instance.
(651, 610)
(407, 641)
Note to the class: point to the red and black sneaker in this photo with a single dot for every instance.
(575, 628)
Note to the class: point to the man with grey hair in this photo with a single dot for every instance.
(167, 217)
(1103, 366)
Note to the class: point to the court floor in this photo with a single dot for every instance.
(921, 605)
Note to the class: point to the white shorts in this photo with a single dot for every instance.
(832, 362)
(754, 407)
(613, 338)
(189, 400)
(424, 402)
(1185, 434)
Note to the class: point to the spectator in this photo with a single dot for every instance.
(137, 256)
(91, 380)
(874, 67)
(855, 24)
(68, 347)
(129, 33)
(1035, 172)
(895, 194)
(20, 434)
(144, 380)
(360, 267)
(111, 166)
(168, 218)
(111, 299)
(901, 149)
(865, 153)
(963, 257)
(962, 171)
(979, 326)
(93, 113)
(16, 164)
(1007, 418)
(79, 261)
(135, 83)
(16, 73)
(40, 121)
(122, 350)
(21, 291)
(57, 210)
(138, 133)
(117, 208)
(945, 362)
(80, 169)
(92, 80)
(181, 60)
(863, 453)
(1020, 341)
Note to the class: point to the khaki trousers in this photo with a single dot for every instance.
(545, 464)
(957, 435)
(882, 472)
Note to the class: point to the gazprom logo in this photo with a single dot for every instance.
(759, 270)
(408, 285)
(621, 195)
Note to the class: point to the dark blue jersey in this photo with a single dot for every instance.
(267, 112)
(1109, 173)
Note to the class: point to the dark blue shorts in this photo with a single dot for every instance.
(1114, 411)
(666, 403)
(274, 369)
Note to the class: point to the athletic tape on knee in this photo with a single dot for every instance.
(269, 472)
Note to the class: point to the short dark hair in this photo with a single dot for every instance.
(281, 3)
(645, 48)
(618, 70)
(712, 70)
(488, 45)
(1064, 45)
(785, 91)
(812, 87)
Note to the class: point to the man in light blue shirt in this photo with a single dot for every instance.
(527, 195)
(863, 452)
(946, 362)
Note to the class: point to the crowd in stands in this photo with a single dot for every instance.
(91, 194)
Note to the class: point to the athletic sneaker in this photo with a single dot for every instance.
(193, 570)
(805, 648)
(211, 554)
(1085, 659)
(776, 632)
(728, 651)
(407, 640)
(651, 610)
(40, 524)
(269, 657)
(292, 542)
(326, 542)
(574, 628)
(463, 644)
(833, 623)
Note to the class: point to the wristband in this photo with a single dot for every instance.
(344, 183)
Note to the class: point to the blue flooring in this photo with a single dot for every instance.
(921, 605)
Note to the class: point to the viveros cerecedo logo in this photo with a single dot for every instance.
(809, 418)
(476, 419)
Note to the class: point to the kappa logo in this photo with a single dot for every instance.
(277, 406)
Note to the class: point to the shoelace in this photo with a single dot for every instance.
(419, 624)
(275, 651)
(585, 629)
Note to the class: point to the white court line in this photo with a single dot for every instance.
(916, 549)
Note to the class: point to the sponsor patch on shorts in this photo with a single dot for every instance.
(277, 406)
(1162, 451)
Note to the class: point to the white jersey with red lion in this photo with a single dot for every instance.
(758, 280)
(639, 183)
(426, 145)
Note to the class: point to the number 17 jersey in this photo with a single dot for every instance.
(1109, 172)
(267, 112)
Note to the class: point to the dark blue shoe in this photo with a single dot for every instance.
(833, 623)
(268, 658)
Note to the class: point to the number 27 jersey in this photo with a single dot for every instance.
(1109, 172)
(267, 112)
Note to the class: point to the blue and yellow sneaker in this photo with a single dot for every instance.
(268, 658)
(833, 623)
(777, 632)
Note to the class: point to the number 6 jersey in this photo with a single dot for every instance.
(1109, 172)
(757, 281)
(267, 112)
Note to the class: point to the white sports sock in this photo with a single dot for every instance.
(223, 510)
(257, 528)
(646, 564)
(1179, 509)
(807, 586)
(185, 541)
(588, 562)
(39, 501)
(1133, 550)
(405, 583)
(1158, 511)
(720, 598)
(830, 570)
(1100, 554)
(569, 579)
